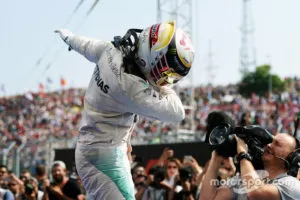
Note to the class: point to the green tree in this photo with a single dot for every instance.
(258, 82)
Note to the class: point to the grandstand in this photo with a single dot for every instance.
(33, 125)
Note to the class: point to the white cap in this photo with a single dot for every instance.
(59, 163)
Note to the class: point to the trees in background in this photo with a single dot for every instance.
(260, 82)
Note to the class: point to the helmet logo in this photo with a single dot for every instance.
(184, 49)
(182, 42)
(154, 34)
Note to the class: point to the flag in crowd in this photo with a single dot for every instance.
(48, 83)
(63, 82)
(49, 80)
(3, 88)
(41, 89)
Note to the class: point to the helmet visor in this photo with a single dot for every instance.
(162, 74)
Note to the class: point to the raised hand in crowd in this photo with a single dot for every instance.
(167, 153)
(192, 162)
(198, 170)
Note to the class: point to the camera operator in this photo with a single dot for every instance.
(186, 188)
(156, 188)
(279, 186)
(31, 191)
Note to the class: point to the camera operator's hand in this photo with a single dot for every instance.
(227, 169)
(216, 158)
(241, 145)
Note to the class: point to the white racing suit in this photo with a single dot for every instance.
(112, 102)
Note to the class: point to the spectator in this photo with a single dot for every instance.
(6, 194)
(40, 175)
(31, 191)
(157, 189)
(246, 119)
(186, 184)
(15, 188)
(25, 175)
(62, 187)
(139, 177)
(197, 169)
(3, 176)
(172, 170)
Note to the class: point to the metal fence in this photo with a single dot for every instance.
(29, 154)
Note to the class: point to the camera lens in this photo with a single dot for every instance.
(218, 135)
(29, 188)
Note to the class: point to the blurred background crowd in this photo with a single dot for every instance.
(34, 117)
(33, 124)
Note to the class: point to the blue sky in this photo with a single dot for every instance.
(27, 32)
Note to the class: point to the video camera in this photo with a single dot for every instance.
(29, 188)
(222, 139)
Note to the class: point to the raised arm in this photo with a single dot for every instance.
(89, 48)
(209, 189)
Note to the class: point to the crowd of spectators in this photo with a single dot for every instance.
(37, 117)
(33, 118)
(169, 178)
(59, 185)
(276, 113)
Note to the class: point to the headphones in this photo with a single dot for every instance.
(293, 158)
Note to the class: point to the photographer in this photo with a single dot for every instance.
(156, 188)
(31, 191)
(186, 188)
(279, 186)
